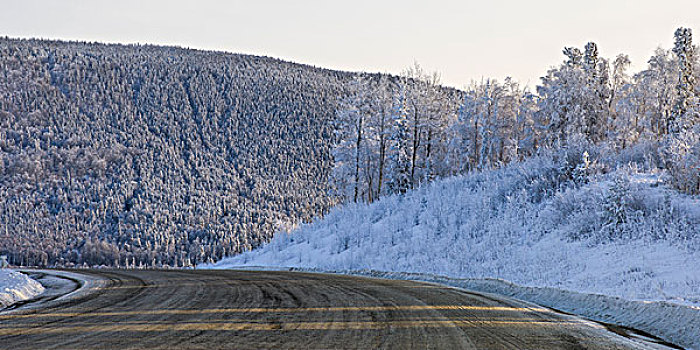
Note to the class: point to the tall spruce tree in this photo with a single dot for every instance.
(684, 111)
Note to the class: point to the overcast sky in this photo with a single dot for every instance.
(464, 40)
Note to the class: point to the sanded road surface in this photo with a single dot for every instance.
(269, 310)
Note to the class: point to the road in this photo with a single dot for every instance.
(147, 309)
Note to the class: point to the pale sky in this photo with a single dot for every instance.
(463, 40)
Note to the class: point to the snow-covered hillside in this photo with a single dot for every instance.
(15, 287)
(622, 233)
(545, 222)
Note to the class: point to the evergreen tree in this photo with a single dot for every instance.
(684, 112)
(400, 167)
(682, 149)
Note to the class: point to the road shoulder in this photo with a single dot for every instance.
(59, 286)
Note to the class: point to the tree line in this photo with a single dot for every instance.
(393, 135)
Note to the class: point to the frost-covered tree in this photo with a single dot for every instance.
(624, 115)
(682, 149)
(351, 151)
(596, 94)
(560, 105)
(685, 111)
(494, 126)
(655, 92)
(574, 98)
(420, 86)
(366, 125)
(428, 109)
(381, 125)
(399, 171)
(590, 62)
(519, 132)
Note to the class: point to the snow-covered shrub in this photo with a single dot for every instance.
(615, 205)
(644, 154)
(685, 170)
(578, 160)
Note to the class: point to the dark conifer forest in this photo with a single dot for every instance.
(150, 156)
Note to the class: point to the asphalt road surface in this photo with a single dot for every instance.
(269, 310)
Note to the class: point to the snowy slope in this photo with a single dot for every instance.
(488, 225)
(621, 234)
(15, 287)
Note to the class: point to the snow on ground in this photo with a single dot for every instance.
(15, 287)
(542, 223)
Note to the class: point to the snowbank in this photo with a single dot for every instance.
(15, 287)
(547, 223)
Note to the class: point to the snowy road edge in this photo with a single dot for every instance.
(674, 323)
(88, 284)
(17, 287)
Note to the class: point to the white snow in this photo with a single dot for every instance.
(619, 235)
(15, 287)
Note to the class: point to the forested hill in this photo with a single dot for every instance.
(144, 155)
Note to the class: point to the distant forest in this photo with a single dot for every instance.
(138, 156)
(150, 156)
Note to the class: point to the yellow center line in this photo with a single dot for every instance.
(248, 320)
(174, 284)
(288, 326)
(282, 310)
